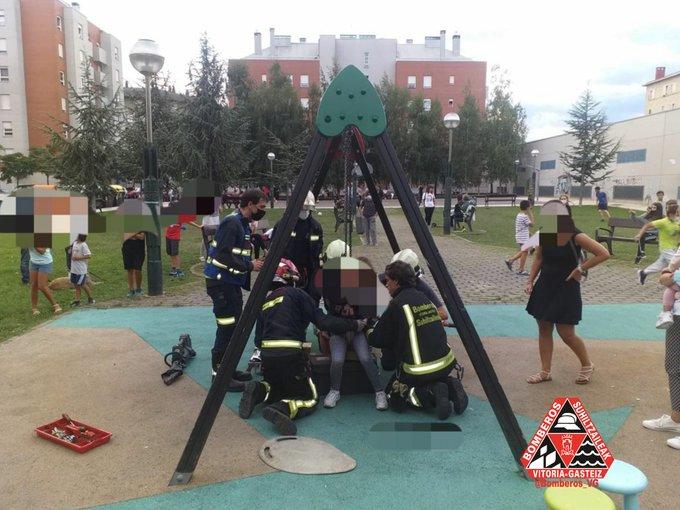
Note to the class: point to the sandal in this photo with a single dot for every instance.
(56, 308)
(36, 311)
(584, 374)
(540, 377)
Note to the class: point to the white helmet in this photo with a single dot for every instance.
(336, 249)
(310, 201)
(410, 257)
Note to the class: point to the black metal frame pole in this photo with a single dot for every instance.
(213, 401)
(382, 214)
(466, 329)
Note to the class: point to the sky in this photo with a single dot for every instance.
(550, 51)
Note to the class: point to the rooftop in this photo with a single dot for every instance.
(672, 75)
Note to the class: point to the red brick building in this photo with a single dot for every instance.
(429, 69)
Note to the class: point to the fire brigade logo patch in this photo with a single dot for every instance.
(567, 445)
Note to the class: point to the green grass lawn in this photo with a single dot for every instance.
(106, 265)
(496, 226)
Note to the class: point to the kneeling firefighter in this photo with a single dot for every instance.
(287, 390)
(412, 328)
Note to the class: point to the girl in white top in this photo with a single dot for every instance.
(428, 203)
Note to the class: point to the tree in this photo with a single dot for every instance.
(467, 149)
(43, 161)
(15, 166)
(315, 95)
(239, 84)
(88, 149)
(276, 117)
(427, 142)
(504, 134)
(213, 134)
(396, 101)
(587, 160)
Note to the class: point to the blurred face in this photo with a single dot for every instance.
(660, 195)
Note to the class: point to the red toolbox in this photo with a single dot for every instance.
(84, 441)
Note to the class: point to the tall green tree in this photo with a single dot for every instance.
(88, 149)
(239, 83)
(504, 134)
(588, 158)
(15, 166)
(396, 102)
(214, 134)
(427, 142)
(275, 113)
(467, 149)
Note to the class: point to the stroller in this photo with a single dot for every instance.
(464, 214)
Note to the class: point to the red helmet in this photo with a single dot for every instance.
(286, 272)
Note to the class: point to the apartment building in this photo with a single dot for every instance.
(663, 92)
(430, 69)
(45, 47)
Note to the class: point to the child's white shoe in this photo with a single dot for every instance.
(665, 320)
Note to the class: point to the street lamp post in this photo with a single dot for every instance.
(537, 189)
(451, 121)
(145, 57)
(271, 157)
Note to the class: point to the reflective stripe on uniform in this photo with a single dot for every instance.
(241, 251)
(413, 398)
(213, 244)
(293, 234)
(412, 334)
(217, 263)
(288, 344)
(431, 366)
(272, 302)
(314, 238)
(295, 405)
(268, 388)
(225, 321)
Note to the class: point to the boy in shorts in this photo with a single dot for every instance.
(133, 260)
(80, 254)
(172, 237)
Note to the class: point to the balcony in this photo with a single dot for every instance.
(101, 56)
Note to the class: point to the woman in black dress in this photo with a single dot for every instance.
(555, 300)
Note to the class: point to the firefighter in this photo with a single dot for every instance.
(227, 271)
(305, 248)
(412, 328)
(287, 389)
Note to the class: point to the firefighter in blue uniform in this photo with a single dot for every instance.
(305, 248)
(287, 390)
(412, 329)
(227, 271)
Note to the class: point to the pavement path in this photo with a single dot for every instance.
(477, 270)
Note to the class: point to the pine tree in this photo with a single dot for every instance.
(88, 149)
(467, 149)
(504, 133)
(587, 160)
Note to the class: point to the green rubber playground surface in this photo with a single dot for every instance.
(477, 473)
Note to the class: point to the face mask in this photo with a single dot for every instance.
(304, 215)
(258, 214)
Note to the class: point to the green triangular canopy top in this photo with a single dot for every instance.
(351, 100)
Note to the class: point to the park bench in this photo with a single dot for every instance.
(497, 197)
(607, 235)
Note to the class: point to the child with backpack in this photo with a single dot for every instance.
(80, 254)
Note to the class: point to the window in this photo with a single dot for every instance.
(6, 128)
(4, 73)
(670, 88)
(547, 165)
(116, 74)
(631, 156)
(59, 26)
(62, 78)
(411, 83)
(290, 78)
(82, 57)
(264, 78)
(83, 83)
(366, 59)
(2, 17)
(452, 80)
(80, 30)
(115, 52)
(4, 102)
(304, 101)
(3, 45)
(304, 80)
(651, 93)
(63, 104)
(427, 104)
(60, 50)
(427, 82)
